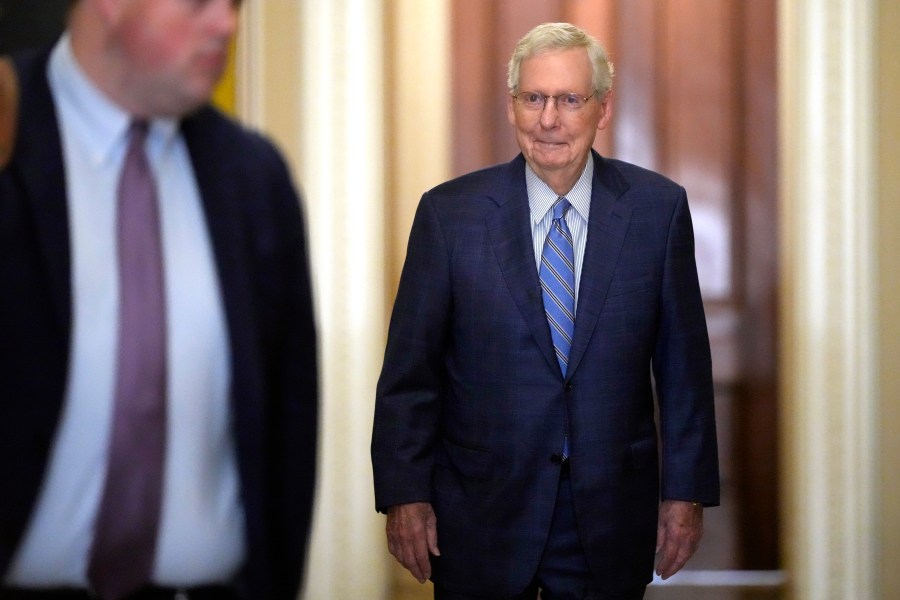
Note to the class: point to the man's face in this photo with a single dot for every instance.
(556, 141)
(176, 50)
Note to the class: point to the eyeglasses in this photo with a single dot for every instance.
(569, 102)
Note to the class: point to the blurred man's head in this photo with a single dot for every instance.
(154, 57)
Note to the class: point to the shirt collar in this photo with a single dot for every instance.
(541, 197)
(102, 125)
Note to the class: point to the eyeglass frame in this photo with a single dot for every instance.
(546, 97)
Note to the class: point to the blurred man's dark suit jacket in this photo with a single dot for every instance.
(471, 403)
(255, 223)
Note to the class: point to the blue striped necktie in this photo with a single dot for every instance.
(557, 274)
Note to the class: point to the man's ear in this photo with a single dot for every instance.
(606, 105)
(511, 109)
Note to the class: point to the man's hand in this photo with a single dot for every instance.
(412, 534)
(677, 535)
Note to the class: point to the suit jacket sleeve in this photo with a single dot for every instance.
(275, 346)
(293, 376)
(408, 395)
(683, 371)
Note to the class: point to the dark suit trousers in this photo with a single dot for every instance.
(563, 573)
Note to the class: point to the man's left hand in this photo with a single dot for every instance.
(677, 535)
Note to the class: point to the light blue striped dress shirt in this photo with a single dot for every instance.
(540, 200)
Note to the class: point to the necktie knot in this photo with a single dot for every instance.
(560, 207)
(137, 132)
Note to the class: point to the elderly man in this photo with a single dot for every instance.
(514, 443)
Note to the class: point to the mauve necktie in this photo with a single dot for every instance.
(557, 275)
(125, 532)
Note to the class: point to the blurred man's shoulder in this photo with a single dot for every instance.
(225, 136)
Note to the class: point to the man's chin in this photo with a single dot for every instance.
(182, 106)
(197, 97)
(552, 162)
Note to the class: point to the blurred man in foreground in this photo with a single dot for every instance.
(158, 385)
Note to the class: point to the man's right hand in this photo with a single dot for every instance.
(412, 535)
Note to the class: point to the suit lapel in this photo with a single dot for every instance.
(510, 233)
(606, 233)
(38, 164)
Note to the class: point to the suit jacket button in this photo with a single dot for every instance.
(569, 387)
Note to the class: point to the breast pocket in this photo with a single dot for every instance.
(633, 283)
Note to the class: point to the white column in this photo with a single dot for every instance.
(828, 242)
(342, 169)
(311, 75)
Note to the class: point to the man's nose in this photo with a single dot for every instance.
(549, 112)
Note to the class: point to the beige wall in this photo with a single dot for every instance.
(417, 115)
(888, 164)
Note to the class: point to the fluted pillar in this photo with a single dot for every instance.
(829, 297)
(311, 74)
